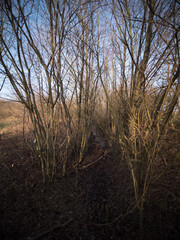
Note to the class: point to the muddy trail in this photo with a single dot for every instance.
(94, 201)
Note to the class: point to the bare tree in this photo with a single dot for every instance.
(146, 56)
(51, 65)
(32, 46)
(84, 72)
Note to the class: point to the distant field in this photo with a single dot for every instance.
(11, 117)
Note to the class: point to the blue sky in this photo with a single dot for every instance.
(7, 91)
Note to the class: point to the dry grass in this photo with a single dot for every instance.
(11, 117)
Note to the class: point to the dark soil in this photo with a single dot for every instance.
(94, 201)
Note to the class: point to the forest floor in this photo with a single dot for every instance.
(95, 201)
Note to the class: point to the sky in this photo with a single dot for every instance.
(6, 91)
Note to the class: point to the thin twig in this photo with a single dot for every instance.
(51, 230)
(115, 220)
(105, 153)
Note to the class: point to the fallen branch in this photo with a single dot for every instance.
(51, 229)
(115, 220)
(105, 153)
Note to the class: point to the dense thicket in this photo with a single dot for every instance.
(84, 67)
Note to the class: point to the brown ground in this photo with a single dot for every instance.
(98, 194)
(96, 202)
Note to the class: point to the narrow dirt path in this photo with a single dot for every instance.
(103, 197)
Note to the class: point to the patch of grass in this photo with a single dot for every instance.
(3, 125)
